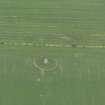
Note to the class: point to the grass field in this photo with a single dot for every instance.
(52, 52)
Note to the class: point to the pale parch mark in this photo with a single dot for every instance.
(41, 42)
(14, 43)
(66, 38)
(73, 45)
(98, 35)
(46, 66)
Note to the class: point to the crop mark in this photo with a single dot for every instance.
(47, 67)
(38, 44)
(60, 41)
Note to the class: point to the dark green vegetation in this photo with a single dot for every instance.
(70, 34)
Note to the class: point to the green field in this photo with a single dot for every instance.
(52, 52)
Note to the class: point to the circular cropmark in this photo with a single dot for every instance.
(47, 68)
(44, 63)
